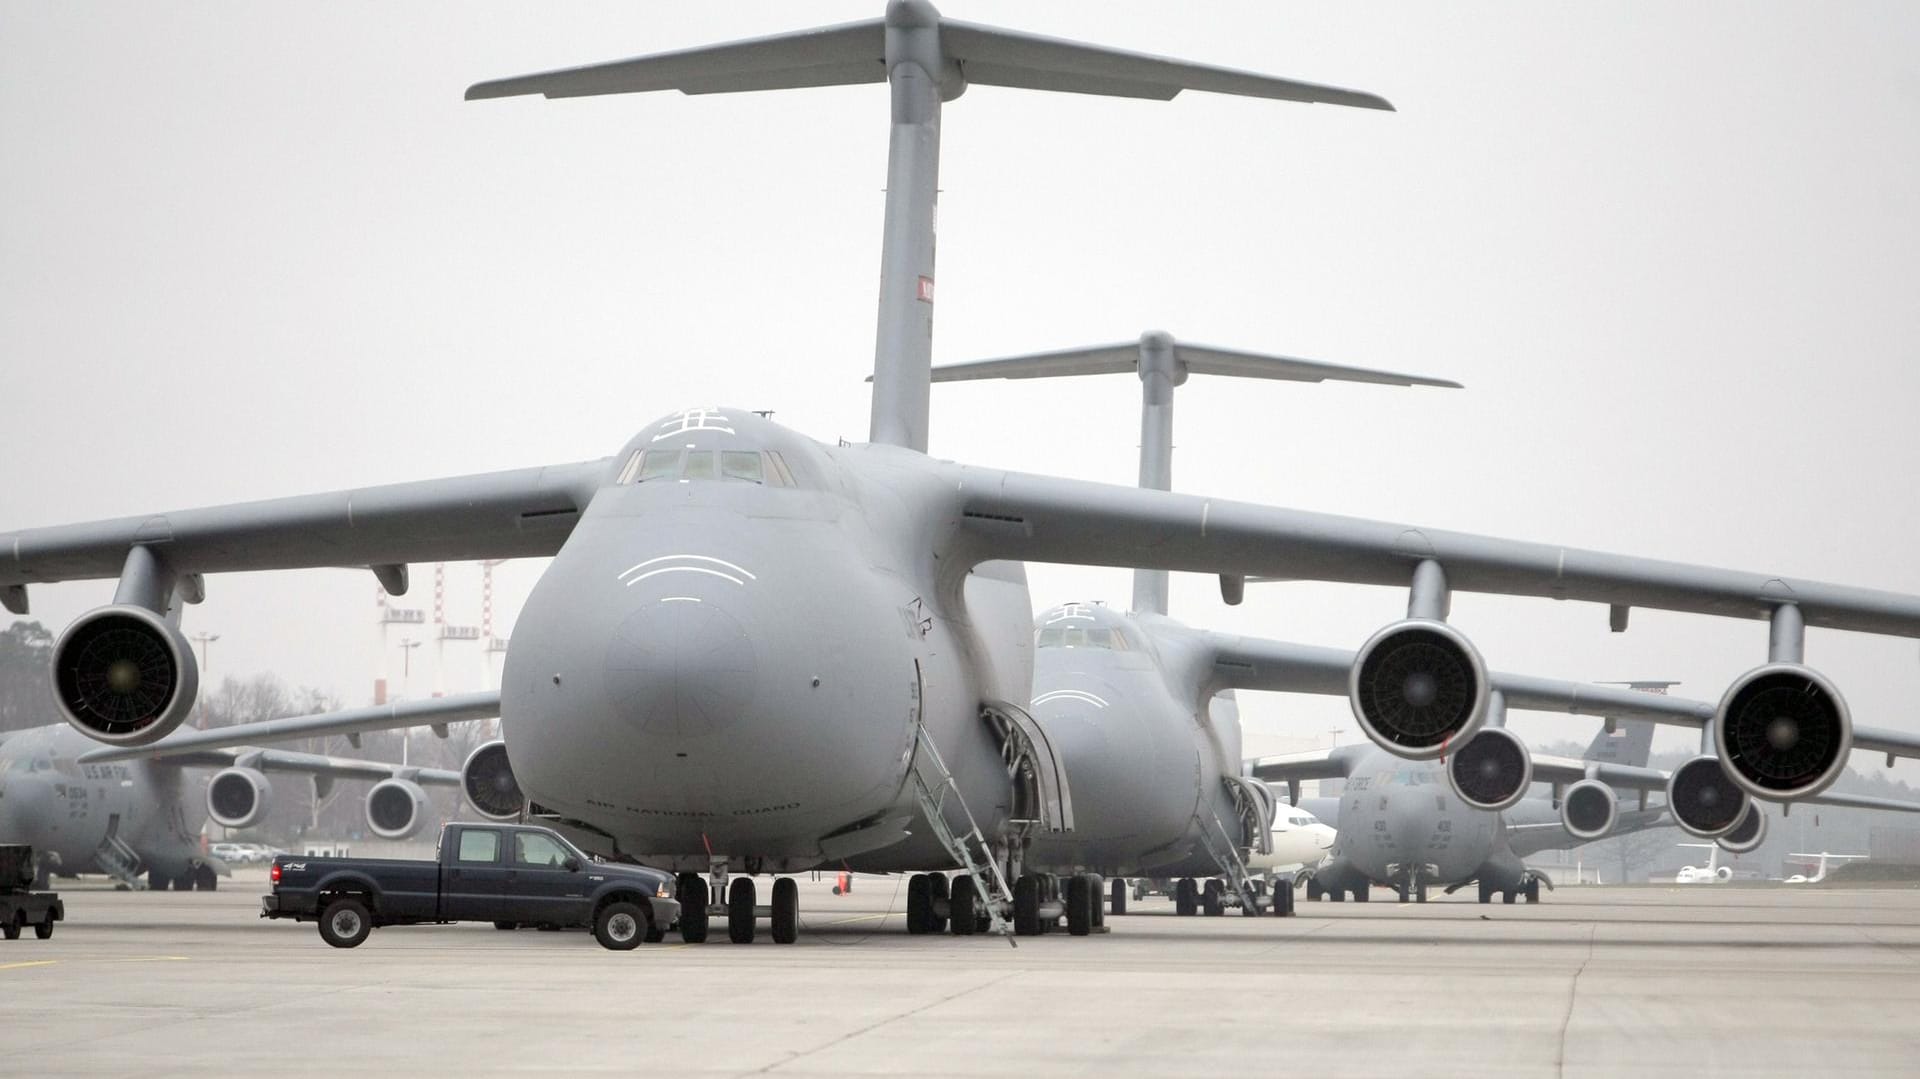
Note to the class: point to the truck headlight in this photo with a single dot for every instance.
(665, 890)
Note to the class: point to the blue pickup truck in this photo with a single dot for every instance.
(510, 875)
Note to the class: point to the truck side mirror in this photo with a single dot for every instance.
(572, 864)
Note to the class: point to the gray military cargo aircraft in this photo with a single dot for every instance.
(753, 651)
(139, 821)
(1454, 822)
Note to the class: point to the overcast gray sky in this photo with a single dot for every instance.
(251, 250)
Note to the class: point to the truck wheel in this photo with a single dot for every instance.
(345, 923)
(786, 911)
(14, 925)
(619, 926)
(45, 929)
(740, 912)
(506, 927)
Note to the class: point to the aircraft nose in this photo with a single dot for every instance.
(681, 667)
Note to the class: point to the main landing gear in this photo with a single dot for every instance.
(1041, 902)
(1213, 898)
(741, 908)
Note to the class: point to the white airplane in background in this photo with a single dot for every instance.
(1300, 841)
(1711, 873)
(1820, 866)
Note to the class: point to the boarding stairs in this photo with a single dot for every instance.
(120, 861)
(933, 785)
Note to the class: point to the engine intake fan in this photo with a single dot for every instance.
(123, 675)
(1748, 834)
(1704, 800)
(238, 797)
(396, 808)
(487, 778)
(1491, 770)
(1589, 809)
(1784, 732)
(1417, 687)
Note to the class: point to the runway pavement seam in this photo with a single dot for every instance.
(1904, 951)
(870, 1027)
(1573, 993)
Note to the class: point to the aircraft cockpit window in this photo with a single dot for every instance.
(658, 464)
(1083, 637)
(741, 465)
(749, 466)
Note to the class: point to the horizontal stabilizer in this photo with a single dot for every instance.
(856, 52)
(852, 52)
(1188, 359)
(990, 56)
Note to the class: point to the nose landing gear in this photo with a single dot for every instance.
(741, 908)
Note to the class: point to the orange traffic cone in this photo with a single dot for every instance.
(843, 884)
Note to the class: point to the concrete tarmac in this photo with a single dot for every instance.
(1696, 980)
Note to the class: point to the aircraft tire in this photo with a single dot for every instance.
(1185, 899)
(204, 878)
(157, 881)
(1420, 892)
(1081, 898)
(740, 915)
(1119, 903)
(1486, 892)
(1211, 900)
(1363, 893)
(619, 927)
(693, 908)
(1026, 906)
(963, 907)
(786, 910)
(937, 888)
(345, 923)
(1314, 891)
(1533, 890)
(506, 927)
(919, 904)
(1283, 899)
(1507, 896)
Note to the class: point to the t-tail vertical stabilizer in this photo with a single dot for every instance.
(927, 61)
(1162, 364)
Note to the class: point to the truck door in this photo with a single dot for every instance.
(477, 878)
(544, 889)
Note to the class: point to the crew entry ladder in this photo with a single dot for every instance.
(932, 783)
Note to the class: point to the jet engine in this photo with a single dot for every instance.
(487, 778)
(238, 797)
(124, 675)
(1748, 834)
(1589, 809)
(1491, 770)
(396, 808)
(1704, 799)
(1418, 686)
(1783, 731)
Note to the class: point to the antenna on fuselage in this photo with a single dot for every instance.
(926, 60)
(1163, 364)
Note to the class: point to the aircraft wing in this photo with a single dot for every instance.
(181, 745)
(1627, 777)
(523, 513)
(274, 760)
(1033, 518)
(1335, 763)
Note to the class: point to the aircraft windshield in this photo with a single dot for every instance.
(748, 466)
(1083, 637)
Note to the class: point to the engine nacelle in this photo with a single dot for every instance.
(238, 797)
(123, 675)
(1589, 809)
(1748, 834)
(1492, 770)
(1704, 799)
(1417, 687)
(396, 808)
(487, 779)
(1784, 732)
